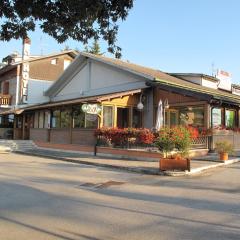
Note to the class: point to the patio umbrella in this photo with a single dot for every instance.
(159, 116)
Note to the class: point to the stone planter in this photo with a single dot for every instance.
(223, 156)
(168, 164)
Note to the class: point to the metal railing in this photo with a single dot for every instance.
(197, 143)
(200, 143)
(5, 99)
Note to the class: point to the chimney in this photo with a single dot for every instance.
(26, 48)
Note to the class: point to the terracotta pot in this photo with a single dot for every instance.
(174, 164)
(223, 156)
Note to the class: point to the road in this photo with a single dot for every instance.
(47, 199)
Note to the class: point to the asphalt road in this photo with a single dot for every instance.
(48, 199)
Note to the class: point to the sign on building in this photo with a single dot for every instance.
(25, 70)
(91, 108)
(225, 80)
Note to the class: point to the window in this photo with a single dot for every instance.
(230, 118)
(6, 88)
(18, 122)
(136, 118)
(55, 123)
(6, 121)
(84, 120)
(46, 119)
(107, 116)
(66, 63)
(216, 117)
(91, 120)
(54, 61)
(78, 117)
(123, 117)
(65, 118)
(41, 119)
(36, 120)
(191, 116)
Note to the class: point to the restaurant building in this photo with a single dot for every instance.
(96, 91)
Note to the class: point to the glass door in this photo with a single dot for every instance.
(171, 118)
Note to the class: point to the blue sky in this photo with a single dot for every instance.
(171, 35)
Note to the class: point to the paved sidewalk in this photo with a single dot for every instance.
(145, 167)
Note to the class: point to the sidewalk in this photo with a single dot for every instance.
(138, 166)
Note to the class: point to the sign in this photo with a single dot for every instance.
(25, 70)
(25, 77)
(91, 108)
(225, 80)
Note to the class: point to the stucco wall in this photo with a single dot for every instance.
(95, 78)
(36, 89)
(78, 83)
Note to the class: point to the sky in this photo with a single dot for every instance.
(194, 36)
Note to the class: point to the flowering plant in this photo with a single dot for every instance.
(183, 138)
(179, 138)
(165, 141)
(224, 147)
(125, 136)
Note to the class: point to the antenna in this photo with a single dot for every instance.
(213, 70)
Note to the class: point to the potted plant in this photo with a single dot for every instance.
(170, 139)
(224, 148)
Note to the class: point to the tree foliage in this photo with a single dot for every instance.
(80, 20)
(94, 49)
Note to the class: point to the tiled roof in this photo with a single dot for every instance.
(33, 59)
(164, 78)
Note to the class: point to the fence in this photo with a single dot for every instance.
(197, 143)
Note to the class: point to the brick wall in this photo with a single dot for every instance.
(83, 137)
(60, 136)
(39, 134)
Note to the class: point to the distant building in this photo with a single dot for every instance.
(24, 78)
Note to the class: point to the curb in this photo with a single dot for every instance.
(199, 170)
(128, 169)
(193, 172)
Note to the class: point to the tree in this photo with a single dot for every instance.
(94, 49)
(80, 20)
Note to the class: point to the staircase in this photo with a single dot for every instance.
(17, 145)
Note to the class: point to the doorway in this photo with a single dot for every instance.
(29, 119)
(171, 118)
(123, 117)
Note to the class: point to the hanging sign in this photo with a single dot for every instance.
(91, 108)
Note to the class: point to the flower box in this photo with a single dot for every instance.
(169, 164)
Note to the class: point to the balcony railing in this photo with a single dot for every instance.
(5, 99)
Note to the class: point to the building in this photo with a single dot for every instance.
(96, 91)
(24, 78)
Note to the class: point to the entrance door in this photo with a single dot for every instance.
(27, 125)
(123, 117)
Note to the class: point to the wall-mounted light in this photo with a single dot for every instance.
(165, 104)
(140, 105)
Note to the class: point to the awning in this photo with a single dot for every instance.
(93, 99)
(12, 111)
(198, 91)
